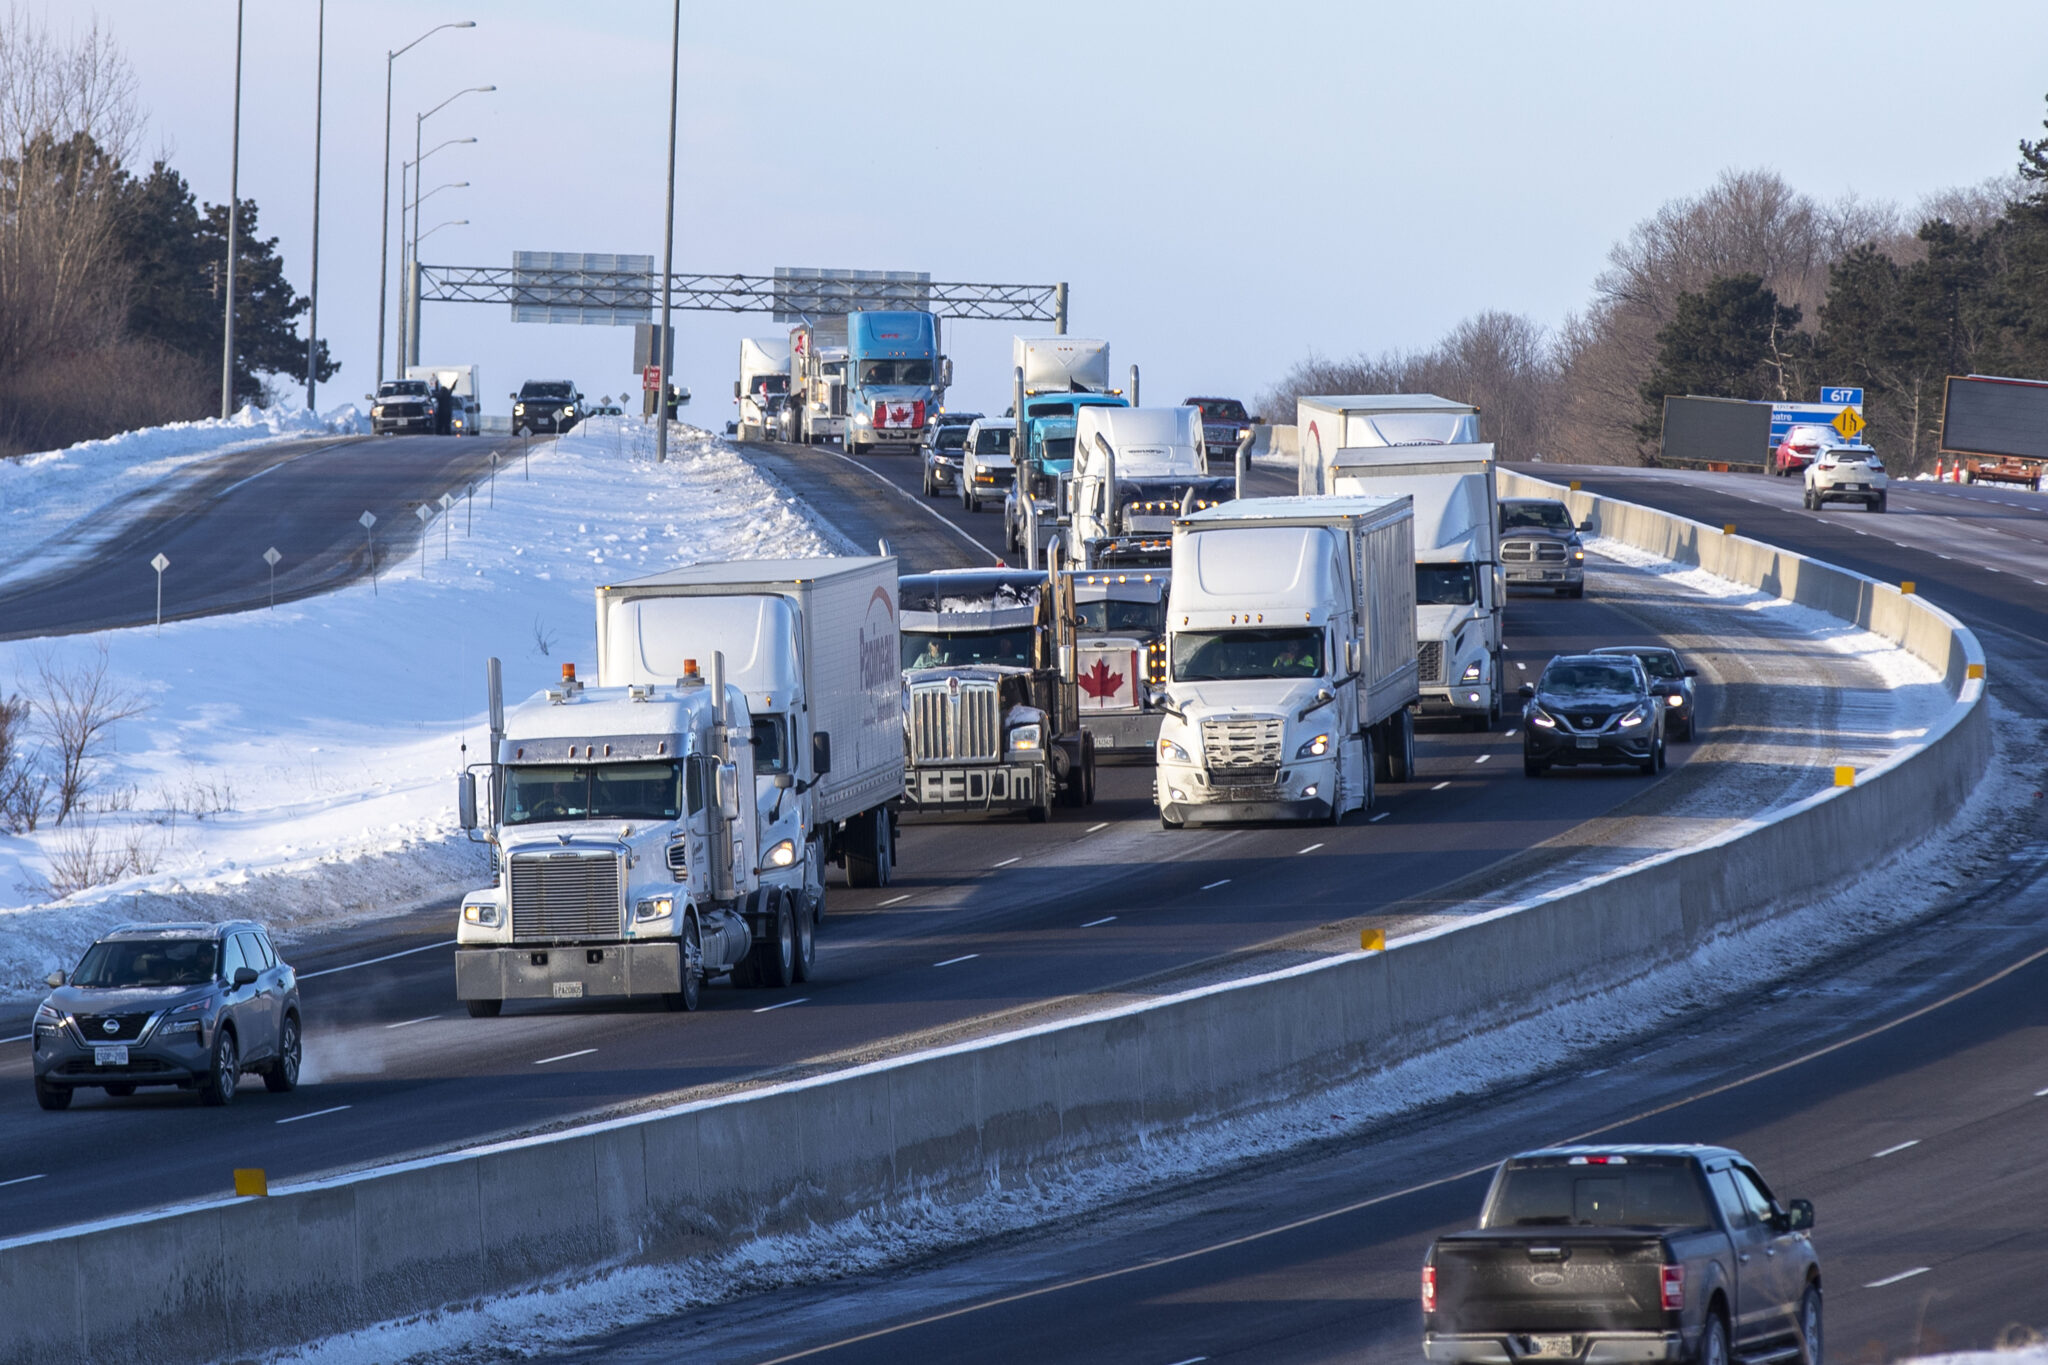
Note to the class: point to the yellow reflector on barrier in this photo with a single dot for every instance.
(1575, 485)
(1908, 587)
(1727, 528)
(1974, 671)
(1845, 776)
(1373, 940)
(251, 1182)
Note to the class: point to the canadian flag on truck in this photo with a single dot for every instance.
(890, 413)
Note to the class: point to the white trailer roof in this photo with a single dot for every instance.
(742, 573)
(1387, 402)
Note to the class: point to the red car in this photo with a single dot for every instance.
(1801, 445)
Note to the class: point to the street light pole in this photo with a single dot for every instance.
(408, 345)
(412, 329)
(384, 241)
(313, 291)
(227, 345)
(662, 344)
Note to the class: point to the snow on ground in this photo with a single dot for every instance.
(298, 765)
(2020, 1355)
(44, 494)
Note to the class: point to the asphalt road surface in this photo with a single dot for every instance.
(1901, 1088)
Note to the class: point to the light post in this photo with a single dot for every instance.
(662, 341)
(419, 123)
(410, 260)
(313, 291)
(384, 242)
(227, 344)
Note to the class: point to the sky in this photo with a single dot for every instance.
(1226, 188)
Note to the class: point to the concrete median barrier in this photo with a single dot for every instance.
(240, 1276)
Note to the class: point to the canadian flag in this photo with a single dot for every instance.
(1108, 681)
(890, 413)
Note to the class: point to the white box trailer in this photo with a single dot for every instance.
(813, 644)
(1460, 591)
(1061, 364)
(1290, 659)
(1325, 425)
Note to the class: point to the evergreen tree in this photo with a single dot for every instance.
(1731, 340)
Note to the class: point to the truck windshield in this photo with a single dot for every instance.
(1224, 655)
(771, 383)
(593, 791)
(951, 438)
(545, 389)
(1649, 1192)
(896, 372)
(948, 649)
(1535, 516)
(1138, 618)
(1445, 585)
(1222, 410)
(403, 388)
(147, 962)
(992, 441)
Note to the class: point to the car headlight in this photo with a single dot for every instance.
(519, 409)
(186, 1018)
(568, 412)
(377, 411)
(49, 1016)
(481, 912)
(782, 855)
(1540, 720)
(653, 908)
(1025, 737)
(1578, 556)
(1635, 717)
(1674, 699)
(1471, 673)
(1169, 750)
(1313, 748)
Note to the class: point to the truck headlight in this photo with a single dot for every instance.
(1313, 748)
(1169, 750)
(1025, 738)
(1471, 673)
(569, 412)
(481, 912)
(1674, 699)
(653, 908)
(1578, 556)
(377, 411)
(782, 855)
(860, 419)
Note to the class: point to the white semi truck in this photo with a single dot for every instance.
(764, 377)
(624, 844)
(1326, 425)
(1290, 641)
(1460, 590)
(817, 379)
(1135, 470)
(813, 643)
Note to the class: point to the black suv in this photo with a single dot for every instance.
(1593, 708)
(551, 405)
(190, 1005)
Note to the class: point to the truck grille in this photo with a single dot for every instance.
(1429, 658)
(566, 895)
(1532, 551)
(955, 722)
(127, 1027)
(1242, 753)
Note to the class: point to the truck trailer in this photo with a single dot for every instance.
(764, 374)
(1290, 642)
(1325, 425)
(1460, 591)
(813, 645)
(817, 379)
(459, 409)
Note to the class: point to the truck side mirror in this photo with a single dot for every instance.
(1352, 663)
(735, 390)
(784, 781)
(729, 791)
(465, 800)
(1799, 1216)
(821, 754)
(946, 371)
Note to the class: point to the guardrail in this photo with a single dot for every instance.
(240, 1276)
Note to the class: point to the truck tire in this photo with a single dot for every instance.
(1401, 746)
(686, 1000)
(806, 937)
(1714, 1340)
(867, 852)
(484, 1009)
(1810, 1339)
(775, 955)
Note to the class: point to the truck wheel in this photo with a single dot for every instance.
(806, 939)
(867, 854)
(1809, 1326)
(1038, 815)
(686, 1000)
(484, 1009)
(775, 956)
(1401, 747)
(1714, 1341)
(1088, 752)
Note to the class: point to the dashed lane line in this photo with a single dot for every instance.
(317, 1113)
(1910, 1142)
(1092, 828)
(968, 957)
(1007, 861)
(1095, 922)
(895, 900)
(1310, 849)
(373, 961)
(407, 1023)
(1377, 818)
(781, 1005)
(1894, 1279)
(23, 1179)
(1213, 885)
(1482, 758)
(565, 1056)
(1440, 786)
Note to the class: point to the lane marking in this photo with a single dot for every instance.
(1894, 1279)
(781, 1005)
(1191, 1360)
(1942, 556)
(317, 1113)
(1213, 885)
(1482, 758)
(18, 1038)
(2039, 1093)
(1377, 818)
(1093, 922)
(1510, 735)
(1524, 667)
(951, 960)
(1987, 568)
(405, 1023)
(22, 1179)
(1440, 786)
(373, 961)
(895, 899)
(1092, 828)
(563, 1057)
(271, 470)
(1310, 849)
(1911, 1142)
(1006, 862)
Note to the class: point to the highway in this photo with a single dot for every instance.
(1900, 1087)
(1014, 922)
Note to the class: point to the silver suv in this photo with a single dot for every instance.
(190, 1005)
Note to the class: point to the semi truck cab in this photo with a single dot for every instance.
(896, 379)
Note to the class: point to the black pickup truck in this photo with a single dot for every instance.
(1597, 1254)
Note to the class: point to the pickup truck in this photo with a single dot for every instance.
(1596, 1254)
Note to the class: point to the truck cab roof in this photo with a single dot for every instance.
(612, 724)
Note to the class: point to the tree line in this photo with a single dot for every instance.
(1752, 290)
(111, 282)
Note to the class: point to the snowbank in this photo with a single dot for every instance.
(44, 494)
(297, 765)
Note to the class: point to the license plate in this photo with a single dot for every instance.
(1852, 487)
(568, 990)
(1588, 742)
(110, 1056)
(1552, 1346)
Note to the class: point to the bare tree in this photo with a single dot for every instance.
(24, 787)
(80, 705)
